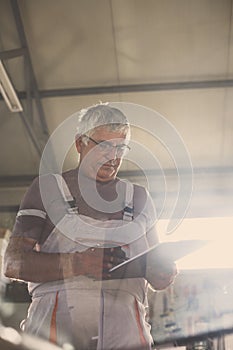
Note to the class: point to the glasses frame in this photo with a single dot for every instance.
(118, 148)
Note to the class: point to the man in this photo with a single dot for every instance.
(71, 229)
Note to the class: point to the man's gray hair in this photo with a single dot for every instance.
(102, 115)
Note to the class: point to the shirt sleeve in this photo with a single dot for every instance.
(145, 211)
(31, 216)
(151, 219)
(150, 211)
(41, 208)
(144, 205)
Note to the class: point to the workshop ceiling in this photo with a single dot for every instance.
(172, 56)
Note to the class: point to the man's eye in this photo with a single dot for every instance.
(104, 146)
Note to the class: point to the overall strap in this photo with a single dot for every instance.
(66, 194)
(128, 210)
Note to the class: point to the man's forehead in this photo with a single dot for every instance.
(105, 132)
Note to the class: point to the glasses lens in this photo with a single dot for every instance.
(107, 147)
(122, 150)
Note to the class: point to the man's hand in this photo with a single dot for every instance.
(161, 274)
(96, 262)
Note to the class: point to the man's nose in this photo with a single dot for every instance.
(112, 154)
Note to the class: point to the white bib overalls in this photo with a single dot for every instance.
(92, 314)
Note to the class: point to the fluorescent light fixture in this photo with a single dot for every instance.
(8, 92)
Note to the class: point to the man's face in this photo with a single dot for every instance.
(101, 158)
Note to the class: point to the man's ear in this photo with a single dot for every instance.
(79, 144)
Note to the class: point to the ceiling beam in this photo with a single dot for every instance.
(24, 44)
(113, 89)
(9, 208)
(32, 90)
(31, 133)
(8, 54)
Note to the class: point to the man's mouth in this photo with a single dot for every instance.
(111, 164)
(107, 165)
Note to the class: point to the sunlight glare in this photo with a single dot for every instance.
(218, 231)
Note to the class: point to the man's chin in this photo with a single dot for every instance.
(106, 173)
